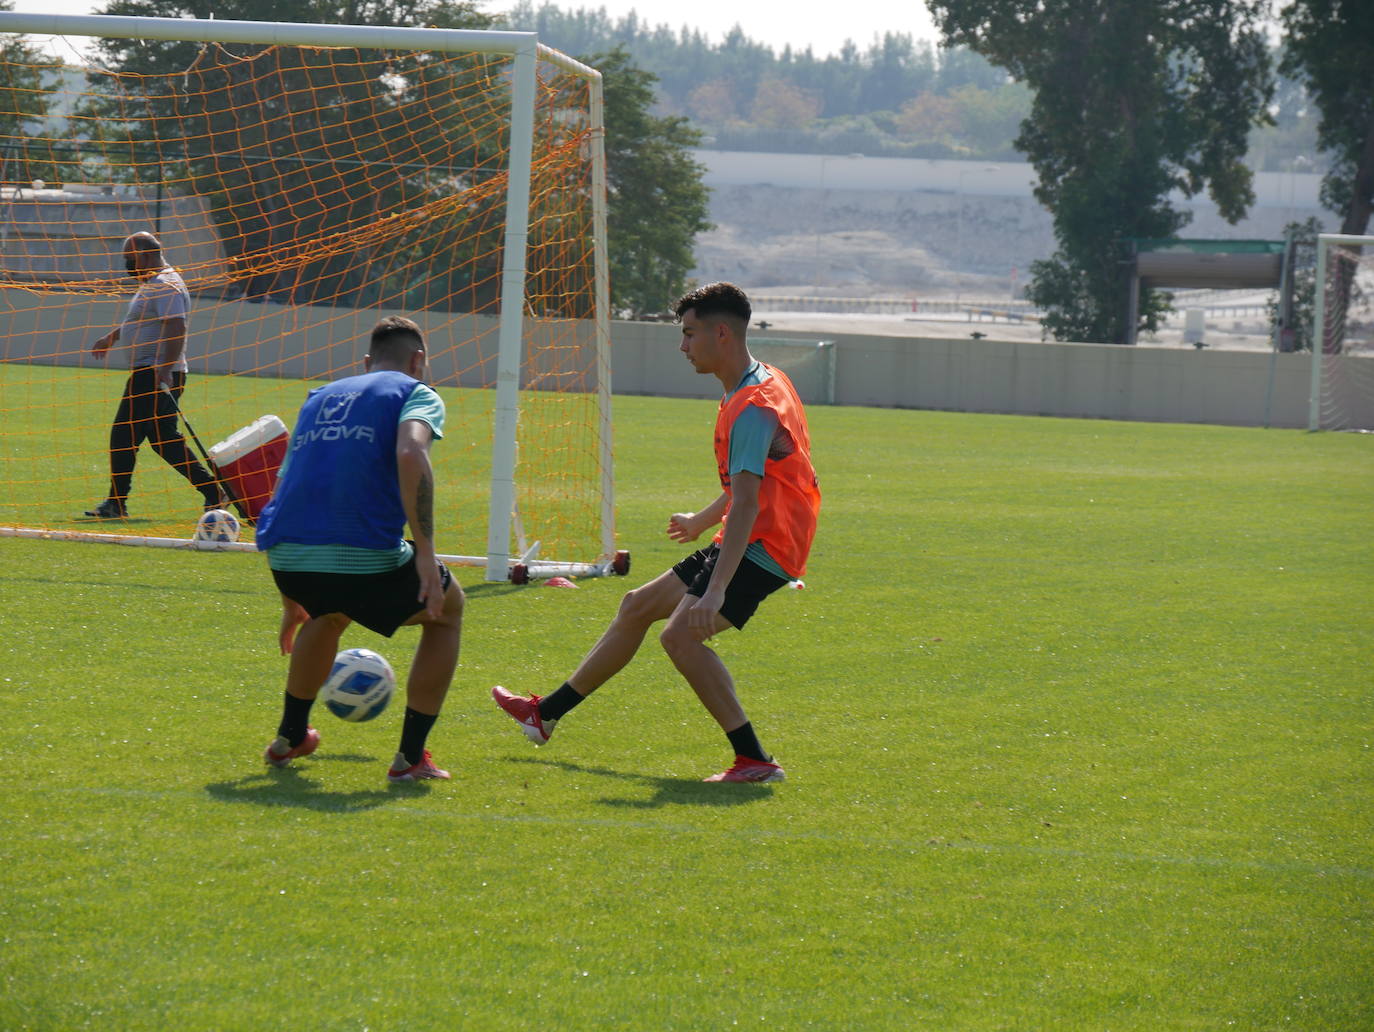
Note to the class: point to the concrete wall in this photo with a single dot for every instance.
(76, 234)
(1019, 377)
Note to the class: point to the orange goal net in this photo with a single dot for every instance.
(303, 191)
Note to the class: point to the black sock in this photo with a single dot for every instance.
(746, 743)
(552, 707)
(414, 731)
(295, 718)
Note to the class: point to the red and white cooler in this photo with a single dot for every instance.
(248, 461)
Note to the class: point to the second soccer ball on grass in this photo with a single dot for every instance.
(218, 526)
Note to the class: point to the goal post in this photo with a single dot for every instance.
(1341, 394)
(307, 180)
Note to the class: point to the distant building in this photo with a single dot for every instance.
(71, 235)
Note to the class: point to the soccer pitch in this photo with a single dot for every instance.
(1075, 715)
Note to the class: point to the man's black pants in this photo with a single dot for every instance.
(146, 413)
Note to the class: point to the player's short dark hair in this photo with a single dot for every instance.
(395, 339)
(719, 299)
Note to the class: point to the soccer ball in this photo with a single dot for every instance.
(360, 685)
(219, 526)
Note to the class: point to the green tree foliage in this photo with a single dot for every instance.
(26, 77)
(713, 103)
(928, 116)
(879, 77)
(1297, 335)
(780, 105)
(656, 201)
(1131, 102)
(1290, 143)
(1330, 49)
(987, 118)
(859, 91)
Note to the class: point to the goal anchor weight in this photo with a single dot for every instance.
(524, 572)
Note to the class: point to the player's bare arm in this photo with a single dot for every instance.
(105, 342)
(688, 526)
(417, 494)
(744, 509)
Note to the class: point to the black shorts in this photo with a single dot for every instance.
(381, 602)
(750, 585)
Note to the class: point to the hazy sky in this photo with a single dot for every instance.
(823, 27)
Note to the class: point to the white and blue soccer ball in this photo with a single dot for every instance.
(219, 526)
(360, 685)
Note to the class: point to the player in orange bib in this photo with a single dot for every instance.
(768, 507)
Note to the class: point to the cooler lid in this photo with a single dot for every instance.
(249, 439)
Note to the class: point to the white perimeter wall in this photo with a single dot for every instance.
(1019, 377)
(962, 375)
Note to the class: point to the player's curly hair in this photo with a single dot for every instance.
(716, 299)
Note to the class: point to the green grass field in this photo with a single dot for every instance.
(1076, 718)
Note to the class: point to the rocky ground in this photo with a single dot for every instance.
(960, 262)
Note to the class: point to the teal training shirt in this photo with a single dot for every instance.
(426, 406)
(751, 437)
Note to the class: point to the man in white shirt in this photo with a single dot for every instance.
(154, 331)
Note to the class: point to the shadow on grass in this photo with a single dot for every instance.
(290, 786)
(113, 526)
(491, 589)
(667, 791)
(496, 589)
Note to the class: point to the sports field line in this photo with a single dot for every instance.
(354, 802)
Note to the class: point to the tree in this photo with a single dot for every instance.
(988, 119)
(960, 66)
(780, 105)
(1330, 50)
(1297, 335)
(1132, 101)
(1290, 142)
(26, 155)
(656, 201)
(927, 117)
(713, 103)
(895, 67)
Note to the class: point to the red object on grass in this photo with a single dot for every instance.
(248, 462)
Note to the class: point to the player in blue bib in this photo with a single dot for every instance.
(356, 473)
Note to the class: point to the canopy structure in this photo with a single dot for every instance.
(1206, 264)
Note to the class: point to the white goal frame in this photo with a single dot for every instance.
(1325, 242)
(500, 562)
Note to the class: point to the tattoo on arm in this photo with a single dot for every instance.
(424, 505)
